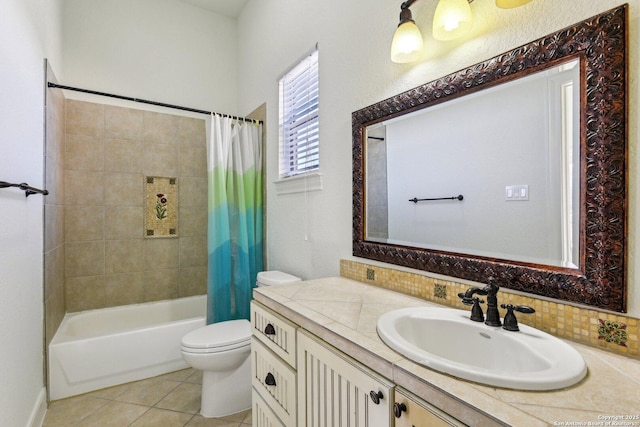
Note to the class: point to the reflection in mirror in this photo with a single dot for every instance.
(512, 151)
(543, 207)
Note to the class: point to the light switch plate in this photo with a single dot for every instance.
(516, 193)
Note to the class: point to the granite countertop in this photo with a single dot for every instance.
(344, 313)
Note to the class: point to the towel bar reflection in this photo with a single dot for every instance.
(28, 190)
(416, 200)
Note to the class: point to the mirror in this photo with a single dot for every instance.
(525, 157)
(525, 184)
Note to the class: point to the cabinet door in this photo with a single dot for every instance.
(418, 413)
(334, 390)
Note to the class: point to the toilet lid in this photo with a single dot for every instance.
(221, 334)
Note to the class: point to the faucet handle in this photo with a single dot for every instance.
(510, 321)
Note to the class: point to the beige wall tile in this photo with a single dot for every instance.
(160, 128)
(193, 191)
(125, 288)
(54, 271)
(161, 160)
(124, 256)
(193, 161)
(84, 223)
(193, 221)
(84, 118)
(192, 131)
(123, 123)
(84, 153)
(125, 222)
(83, 188)
(54, 182)
(84, 259)
(122, 189)
(161, 284)
(193, 251)
(53, 226)
(192, 281)
(84, 293)
(122, 155)
(160, 253)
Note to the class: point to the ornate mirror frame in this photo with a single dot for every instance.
(600, 45)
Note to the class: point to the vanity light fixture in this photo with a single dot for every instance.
(407, 44)
(452, 19)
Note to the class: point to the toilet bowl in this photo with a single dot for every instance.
(221, 351)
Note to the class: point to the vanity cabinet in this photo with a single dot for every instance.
(415, 412)
(300, 380)
(336, 390)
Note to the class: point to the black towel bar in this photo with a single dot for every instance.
(416, 200)
(28, 190)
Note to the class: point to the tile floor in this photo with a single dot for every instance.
(165, 401)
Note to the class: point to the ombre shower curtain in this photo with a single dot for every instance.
(235, 242)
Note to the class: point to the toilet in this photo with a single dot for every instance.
(221, 350)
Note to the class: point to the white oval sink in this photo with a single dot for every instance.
(446, 340)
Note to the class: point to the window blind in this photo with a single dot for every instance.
(299, 131)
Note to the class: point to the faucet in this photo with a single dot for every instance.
(491, 291)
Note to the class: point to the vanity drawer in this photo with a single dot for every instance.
(276, 333)
(262, 415)
(274, 381)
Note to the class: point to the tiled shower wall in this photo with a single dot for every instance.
(54, 305)
(108, 153)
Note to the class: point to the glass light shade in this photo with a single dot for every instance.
(452, 19)
(407, 44)
(508, 4)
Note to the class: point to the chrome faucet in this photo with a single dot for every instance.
(491, 291)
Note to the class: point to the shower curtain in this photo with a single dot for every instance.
(235, 244)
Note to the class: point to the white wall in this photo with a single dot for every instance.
(160, 50)
(29, 33)
(355, 71)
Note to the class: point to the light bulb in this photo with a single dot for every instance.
(452, 19)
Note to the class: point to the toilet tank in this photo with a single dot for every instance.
(275, 278)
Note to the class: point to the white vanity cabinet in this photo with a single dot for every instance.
(336, 390)
(300, 380)
(411, 411)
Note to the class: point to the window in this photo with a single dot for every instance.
(299, 131)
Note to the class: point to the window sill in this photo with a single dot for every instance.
(311, 181)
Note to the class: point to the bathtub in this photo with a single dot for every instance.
(110, 346)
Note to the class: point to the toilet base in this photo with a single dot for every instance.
(226, 393)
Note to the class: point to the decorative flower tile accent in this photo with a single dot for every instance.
(613, 332)
(440, 291)
(161, 207)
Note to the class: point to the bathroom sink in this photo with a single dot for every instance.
(446, 340)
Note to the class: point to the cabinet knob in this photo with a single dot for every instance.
(269, 329)
(376, 396)
(398, 409)
(270, 379)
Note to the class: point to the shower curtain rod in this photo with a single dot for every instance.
(144, 101)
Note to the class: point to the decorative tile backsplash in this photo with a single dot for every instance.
(614, 332)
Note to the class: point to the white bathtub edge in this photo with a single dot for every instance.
(63, 389)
